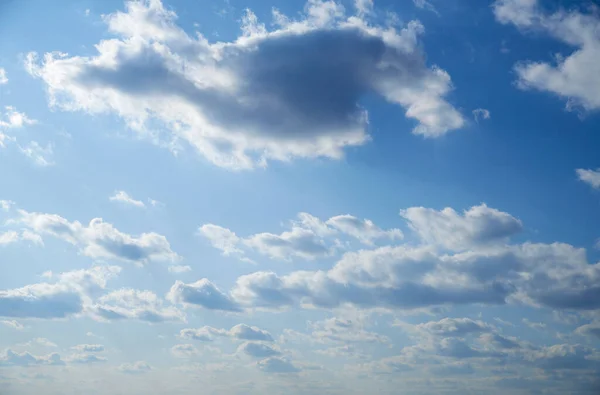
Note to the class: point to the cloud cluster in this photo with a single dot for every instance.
(475, 265)
(238, 332)
(572, 77)
(100, 239)
(70, 294)
(12, 358)
(293, 91)
(134, 304)
(308, 237)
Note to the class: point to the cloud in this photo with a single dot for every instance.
(178, 269)
(184, 350)
(139, 367)
(268, 95)
(14, 119)
(135, 304)
(69, 295)
(478, 225)
(481, 113)
(592, 329)
(425, 5)
(277, 365)
(344, 331)
(86, 359)
(571, 77)
(590, 177)
(454, 327)
(363, 7)
(12, 358)
(3, 76)
(41, 156)
(13, 324)
(12, 236)
(100, 239)
(239, 332)
(202, 293)
(88, 348)
(258, 350)
(123, 197)
(9, 237)
(534, 325)
(308, 237)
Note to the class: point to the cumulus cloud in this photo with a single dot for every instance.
(100, 239)
(479, 225)
(277, 365)
(3, 76)
(135, 304)
(590, 177)
(344, 331)
(12, 358)
(123, 197)
(268, 95)
(139, 367)
(571, 77)
(239, 332)
(308, 237)
(202, 293)
(258, 350)
(69, 295)
(12, 236)
(13, 119)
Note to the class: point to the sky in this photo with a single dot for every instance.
(290, 197)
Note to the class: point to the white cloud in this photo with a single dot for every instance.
(364, 7)
(481, 113)
(277, 365)
(12, 236)
(138, 367)
(84, 358)
(258, 350)
(479, 225)
(100, 239)
(9, 237)
(6, 205)
(123, 197)
(308, 237)
(88, 348)
(534, 325)
(12, 358)
(3, 76)
(14, 119)
(41, 156)
(426, 5)
(202, 293)
(590, 177)
(69, 295)
(184, 350)
(592, 329)
(239, 332)
(13, 324)
(573, 77)
(178, 269)
(135, 304)
(269, 95)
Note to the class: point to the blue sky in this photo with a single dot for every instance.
(299, 197)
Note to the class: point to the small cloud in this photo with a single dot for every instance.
(177, 269)
(138, 367)
(87, 12)
(3, 77)
(481, 113)
(425, 5)
(123, 197)
(590, 177)
(41, 156)
(13, 324)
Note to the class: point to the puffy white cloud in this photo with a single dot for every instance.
(9, 237)
(85, 358)
(12, 358)
(345, 331)
(479, 225)
(69, 295)
(202, 293)
(364, 7)
(308, 237)
(573, 77)
(277, 365)
(13, 119)
(100, 239)
(590, 177)
(268, 95)
(3, 76)
(12, 236)
(138, 367)
(239, 332)
(258, 350)
(123, 197)
(135, 304)
(184, 350)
